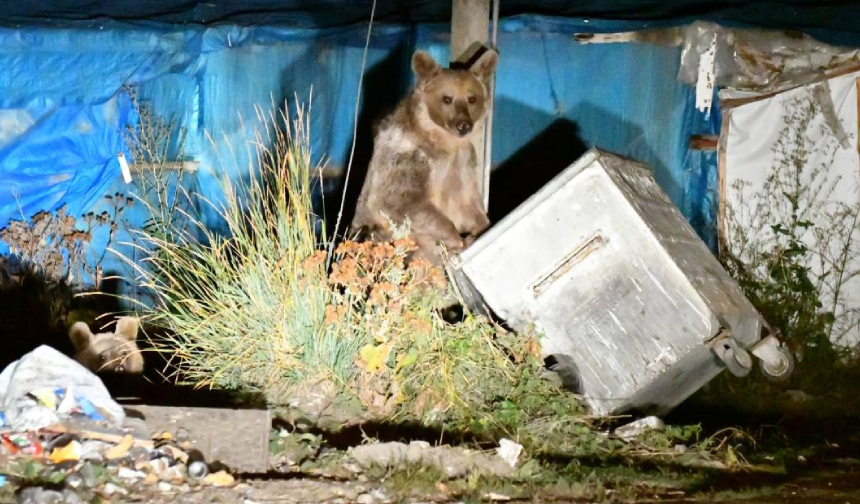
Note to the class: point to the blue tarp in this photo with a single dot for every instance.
(832, 19)
(62, 112)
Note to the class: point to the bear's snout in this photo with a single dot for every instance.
(464, 127)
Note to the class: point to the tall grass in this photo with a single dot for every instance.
(258, 308)
(247, 308)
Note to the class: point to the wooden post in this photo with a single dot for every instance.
(470, 30)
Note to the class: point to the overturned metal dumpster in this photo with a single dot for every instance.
(631, 303)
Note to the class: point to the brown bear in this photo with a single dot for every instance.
(424, 168)
(112, 352)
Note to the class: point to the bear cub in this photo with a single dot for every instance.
(108, 352)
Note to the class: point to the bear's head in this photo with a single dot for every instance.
(456, 99)
(108, 352)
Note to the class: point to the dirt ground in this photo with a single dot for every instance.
(830, 480)
(841, 487)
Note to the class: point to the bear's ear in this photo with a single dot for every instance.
(424, 66)
(80, 335)
(126, 327)
(486, 65)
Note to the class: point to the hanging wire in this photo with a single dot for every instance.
(330, 253)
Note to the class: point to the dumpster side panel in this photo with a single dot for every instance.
(585, 270)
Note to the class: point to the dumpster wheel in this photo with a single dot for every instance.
(780, 370)
(738, 361)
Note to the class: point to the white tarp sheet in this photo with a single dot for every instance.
(782, 149)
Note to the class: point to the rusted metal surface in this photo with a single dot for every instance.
(607, 268)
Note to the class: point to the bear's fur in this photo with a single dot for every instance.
(424, 167)
(108, 352)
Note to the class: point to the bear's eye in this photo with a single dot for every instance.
(448, 100)
(471, 99)
(103, 357)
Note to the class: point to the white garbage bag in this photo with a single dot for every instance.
(47, 368)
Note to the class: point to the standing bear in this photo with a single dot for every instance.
(424, 167)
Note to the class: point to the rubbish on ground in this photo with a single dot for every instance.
(25, 443)
(510, 451)
(639, 427)
(653, 306)
(71, 451)
(61, 416)
(121, 449)
(197, 467)
(46, 369)
(109, 437)
(220, 478)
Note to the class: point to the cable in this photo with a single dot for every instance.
(354, 138)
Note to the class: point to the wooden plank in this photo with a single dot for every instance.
(470, 31)
(187, 166)
(737, 102)
(722, 243)
(704, 142)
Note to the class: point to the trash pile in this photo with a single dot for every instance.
(64, 439)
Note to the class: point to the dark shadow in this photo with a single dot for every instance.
(559, 145)
(626, 139)
(35, 311)
(536, 163)
(385, 84)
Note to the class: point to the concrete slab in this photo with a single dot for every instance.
(238, 438)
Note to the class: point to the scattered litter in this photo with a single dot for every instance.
(365, 499)
(74, 480)
(39, 495)
(71, 451)
(198, 470)
(496, 497)
(639, 427)
(24, 443)
(130, 474)
(94, 450)
(510, 451)
(111, 489)
(220, 479)
(164, 486)
(120, 450)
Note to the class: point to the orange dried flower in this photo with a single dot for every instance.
(316, 260)
(331, 314)
(405, 245)
(382, 251)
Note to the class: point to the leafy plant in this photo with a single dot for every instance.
(792, 246)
